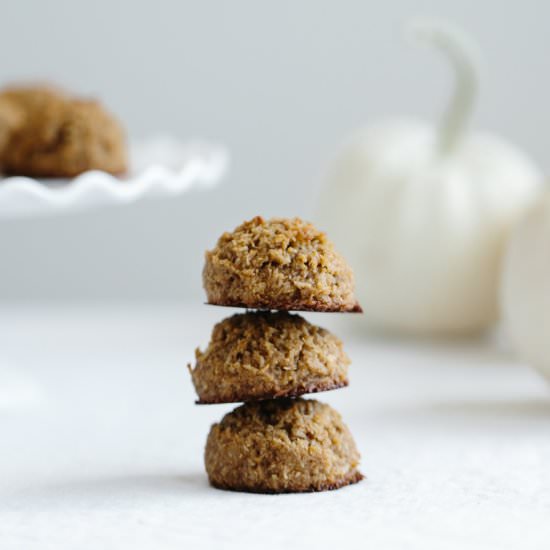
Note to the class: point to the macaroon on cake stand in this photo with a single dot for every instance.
(159, 168)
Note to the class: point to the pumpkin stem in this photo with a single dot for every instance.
(463, 54)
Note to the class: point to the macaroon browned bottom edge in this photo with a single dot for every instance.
(61, 174)
(355, 477)
(318, 307)
(294, 392)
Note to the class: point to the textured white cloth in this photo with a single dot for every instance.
(103, 448)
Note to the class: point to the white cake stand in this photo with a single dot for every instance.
(159, 168)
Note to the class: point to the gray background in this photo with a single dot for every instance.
(282, 83)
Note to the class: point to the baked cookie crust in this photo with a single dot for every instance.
(281, 446)
(280, 264)
(54, 135)
(263, 355)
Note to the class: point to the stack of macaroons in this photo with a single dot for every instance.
(276, 442)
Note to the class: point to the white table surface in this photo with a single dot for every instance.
(101, 445)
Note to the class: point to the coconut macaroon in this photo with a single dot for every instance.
(10, 118)
(283, 264)
(266, 355)
(55, 135)
(281, 446)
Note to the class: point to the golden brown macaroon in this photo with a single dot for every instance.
(11, 117)
(265, 355)
(59, 136)
(283, 264)
(281, 446)
(17, 104)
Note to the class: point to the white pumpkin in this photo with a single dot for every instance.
(526, 287)
(423, 214)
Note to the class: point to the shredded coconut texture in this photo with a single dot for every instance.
(45, 133)
(283, 264)
(280, 446)
(265, 355)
